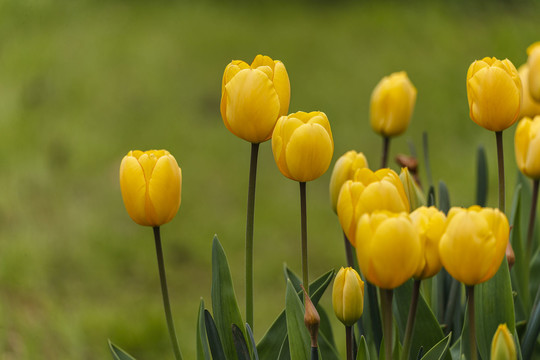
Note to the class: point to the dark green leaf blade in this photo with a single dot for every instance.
(299, 341)
(214, 341)
(203, 351)
(242, 350)
(118, 353)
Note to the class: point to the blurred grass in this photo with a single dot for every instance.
(82, 83)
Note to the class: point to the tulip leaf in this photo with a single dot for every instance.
(203, 352)
(224, 305)
(252, 342)
(240, 344)
(284, 353)
(299, 341)
(438, 351)
(118, 353)
(363, 351)
(481, 176)
(431, 197)
(325, 326)
(327, 350)
(427, 331)
(494, 305)
(214, 341)
(444, 197)
(530, 338)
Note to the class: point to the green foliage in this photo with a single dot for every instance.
(118, 353)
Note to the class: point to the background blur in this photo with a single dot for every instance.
(84, 82)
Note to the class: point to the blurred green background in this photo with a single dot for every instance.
(83, 82)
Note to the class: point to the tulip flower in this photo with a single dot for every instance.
(392, 104)
(348, 296)
(529, 107)
(430, 224)
(303, 146)
(473, 245)
(367, 192)
(534, 70)
(527, 146)
(344, 170)
(502, 345)
(253, 97)
(494, 93)
(388, 248)
(151, 185)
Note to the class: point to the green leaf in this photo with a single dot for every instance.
(326, 349)
(240, 344)
(299, 341)
(214, 341)
(224, 305)
(325, 327)
(203, 352)
(284, 352)
(481, 177)
(118, 353)
(444, 197)
(494, 305)
(531, 333)
(252, 342)
(438, 351)
(363, 351)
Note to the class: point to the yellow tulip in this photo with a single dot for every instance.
(388, 248)
(527, 146)
(494, 93)
(151, 184)
(534, 70)
(254, 97)
(430, 224)
(392, 104)
(529, 107)
(344, 170)
(473, 245)
(303, 146)
(367, 192)
(502, 345)
(348, 296)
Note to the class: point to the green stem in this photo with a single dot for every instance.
(314, 353)
(386, 304)
(349, 342)
(472, 322)
(348, 251)
(165, 293)
(532, 217)
(500, 163)
(407, 340)
(249, 233)
(303, 220)
(386, 147)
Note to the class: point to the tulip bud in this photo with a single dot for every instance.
(502, 345)
(303, 146)
(527, 146)
(534, 70)
(348, 296)
(430, 224)
(414, 194)
(388, 248)
(254, 97)
(392, 104)
(494, 93)
(151, 184)
(367, 192)
(473, 245)
(344, 170)
(529, 106)
(312, 320)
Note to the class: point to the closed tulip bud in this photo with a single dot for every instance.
(344, 170)
(303, 146)
(253, 97)
(473, 245)
(414, 194)
(534, 70)
(368, 192)
(494, 93)
(529, 106)
(348, 296)
(151, 184)
(502, 345)
(388, 248)
(527, 146)
(392, 104)
(430, 224)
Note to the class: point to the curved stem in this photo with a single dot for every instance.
(472, 322)
(386, 148)
(165, 293)
(407, 340)
(532, 217)
(500, 163)
(349, 342)
(348, 251)
(303, 220)
(386, 304)
(249, 233)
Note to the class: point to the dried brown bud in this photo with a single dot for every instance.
(510, 256)
(311, 319)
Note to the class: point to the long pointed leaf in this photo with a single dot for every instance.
(363, 351)
(252, 341)
(438, 351)
(299, 341)
(240, 344)
(214, 341)
(118, 353)
(203, 351)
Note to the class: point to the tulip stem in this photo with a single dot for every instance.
(348, 251)
(407, 340)
(165, 293)
(500, 163)
(532, 217)
(386, 148)
(303, 220)
(386, 304)
(472, 322)
(249, 232)
(349, 341)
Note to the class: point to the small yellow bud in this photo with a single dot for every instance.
(534, 70)
(529, 106)
(502, 345)
(527, 146)
(348, 296)
(344, 170)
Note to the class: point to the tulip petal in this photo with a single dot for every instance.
(282, 86)
(133, 187)
(164, 190)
